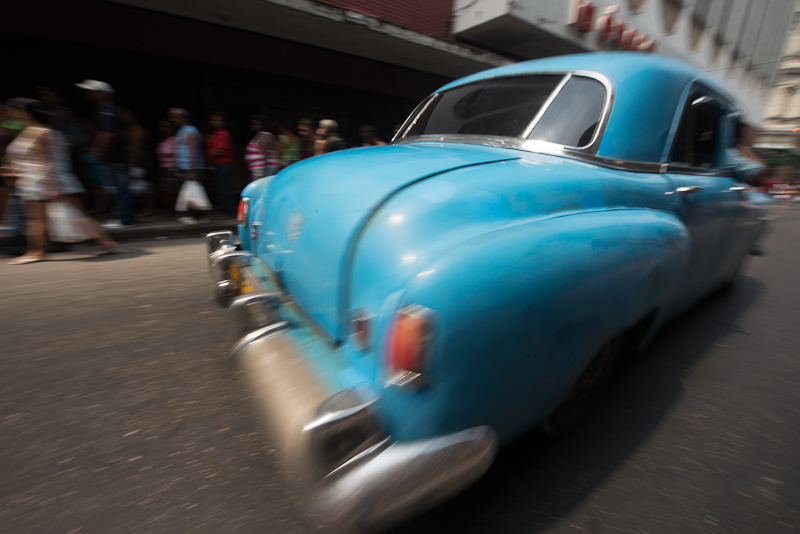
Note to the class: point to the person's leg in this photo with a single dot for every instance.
(148, 208)
(123, 206)
(90, 226)
(5, 195)
(36, 232)
(222, 176)
(94, 178)
(105, 173)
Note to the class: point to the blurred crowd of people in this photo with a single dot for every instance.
(50, 158)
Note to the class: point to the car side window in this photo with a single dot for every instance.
(573, 117)
(698, 140)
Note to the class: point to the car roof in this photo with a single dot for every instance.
(648, 90)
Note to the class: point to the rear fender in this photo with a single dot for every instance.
(256, 192)
(522, 310)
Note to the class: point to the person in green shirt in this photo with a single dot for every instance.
(10, 127)
(289, 144)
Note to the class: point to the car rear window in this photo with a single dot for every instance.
(497, 107)
(573, 117)
(507, 107)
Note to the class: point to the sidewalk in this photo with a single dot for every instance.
(146, 228)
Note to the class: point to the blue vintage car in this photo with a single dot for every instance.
(406, 310)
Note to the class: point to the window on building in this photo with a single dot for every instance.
(636, 6)
(671, 9)
(699, 22)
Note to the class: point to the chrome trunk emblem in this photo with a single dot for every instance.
(294, 226)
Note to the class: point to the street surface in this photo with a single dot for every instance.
(119, 413)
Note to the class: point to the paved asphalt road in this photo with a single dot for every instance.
(119, 413)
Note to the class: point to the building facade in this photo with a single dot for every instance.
(737, 41)
(361, 61)
(779, 139)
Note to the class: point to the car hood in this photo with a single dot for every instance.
(313, 212)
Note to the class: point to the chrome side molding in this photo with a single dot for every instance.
(686, 190)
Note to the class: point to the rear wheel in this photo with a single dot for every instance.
(585, 392)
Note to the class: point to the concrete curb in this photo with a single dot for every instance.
(152, 231)
(147, 230)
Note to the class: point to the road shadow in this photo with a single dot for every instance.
(91, 256)
(535, 483)
(124, 253)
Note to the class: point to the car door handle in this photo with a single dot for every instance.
(739, 188)
(686, 190)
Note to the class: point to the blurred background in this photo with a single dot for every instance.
(370, 61)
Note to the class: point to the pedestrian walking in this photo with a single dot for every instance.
(169, 181)
(307, 131)
(109, 151)
(41, 163)
(289, 144)
(219, 156)
(328, 139)
(139, 185)
(92, 176)
(11, 124)
(192, 197)
(261, 153)
(34, 181)
(369, 136)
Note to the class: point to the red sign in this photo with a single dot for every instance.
(610, 29)
(586, 16)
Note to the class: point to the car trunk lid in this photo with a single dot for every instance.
(314, 211)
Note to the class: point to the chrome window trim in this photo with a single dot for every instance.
(411, 120)
(594, 144)
(553, 94)
(587, 153)
(553, 149)
(731, 111)
(589, 149)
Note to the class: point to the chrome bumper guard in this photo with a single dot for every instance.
(355, 478)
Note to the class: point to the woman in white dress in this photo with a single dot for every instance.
(40, 164)
(35, 182)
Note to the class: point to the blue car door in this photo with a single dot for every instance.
(702, 195)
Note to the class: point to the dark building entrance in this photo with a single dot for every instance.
(156, 61)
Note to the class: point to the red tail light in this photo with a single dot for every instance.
(243, 211)
(409, 343)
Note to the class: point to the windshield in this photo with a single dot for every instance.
(507, 107)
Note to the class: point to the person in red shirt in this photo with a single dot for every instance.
(219, 156)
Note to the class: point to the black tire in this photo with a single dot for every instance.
(584, 393)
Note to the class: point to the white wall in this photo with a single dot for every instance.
(740, 45)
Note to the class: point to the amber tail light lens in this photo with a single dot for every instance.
(243, 211)
(409, 341)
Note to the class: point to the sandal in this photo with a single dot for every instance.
(24, 261)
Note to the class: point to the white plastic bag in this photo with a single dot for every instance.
(138, 186)
(65, 224)
(192, 195)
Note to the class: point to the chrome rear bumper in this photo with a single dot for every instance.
(354, 476)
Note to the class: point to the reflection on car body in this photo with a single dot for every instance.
(421, 304)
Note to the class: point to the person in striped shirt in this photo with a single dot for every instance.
(261, 153)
